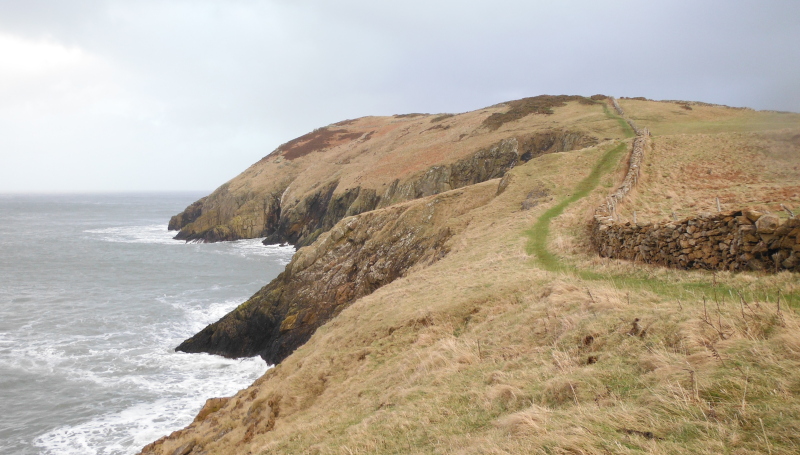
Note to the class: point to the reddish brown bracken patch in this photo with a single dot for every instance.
(714, 176)
(315, 141)
(542, 104)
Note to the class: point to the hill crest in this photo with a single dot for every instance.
(520, 338)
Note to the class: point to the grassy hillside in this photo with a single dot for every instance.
(306, 185)
(522, 340)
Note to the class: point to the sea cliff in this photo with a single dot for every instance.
(307, 185)
(447, 295)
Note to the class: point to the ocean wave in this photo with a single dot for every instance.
(128, 430)
(123, 358)
(158, 234)
(153, 233)
(248, 247)
(199, 314)
(143, 364)
(89, 322)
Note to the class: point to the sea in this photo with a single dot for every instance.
(94, 296)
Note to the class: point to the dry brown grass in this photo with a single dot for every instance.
(685, 174)
(379, 149)
(485, 352)
(371, 152)
(671, 118)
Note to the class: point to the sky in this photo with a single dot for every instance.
(173, 95)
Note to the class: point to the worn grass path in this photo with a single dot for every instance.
(539, 233)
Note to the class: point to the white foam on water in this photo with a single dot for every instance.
(247, 247)
(133, 387)
(158, 234)
(198, 313)
(195, 378)
(107, 359)
(178, 382)
(98, 435)
(153, 233)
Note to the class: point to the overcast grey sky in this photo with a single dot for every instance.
(105, 95)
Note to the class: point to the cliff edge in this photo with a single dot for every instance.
(482, 320)
(308, 184)
(359, 255)
(355, 240)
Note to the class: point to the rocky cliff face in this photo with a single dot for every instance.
(358, 255)
(302, 223)
(188, 216)
(233, 214)
(356, 199)
(226, 215)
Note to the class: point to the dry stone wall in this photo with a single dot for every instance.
(735, 241)
(609, 208)
(634, 126)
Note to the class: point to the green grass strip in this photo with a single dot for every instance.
(537, 235)
(626, 128)
(540, 231)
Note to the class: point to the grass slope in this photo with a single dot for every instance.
(493, 351)
(539, 233)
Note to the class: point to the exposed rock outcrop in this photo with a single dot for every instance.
(189, 215)
(302, 223)
(232, 215)
(353, 238)
(358, 255)
(553, 141)
(390, 373)
(224, 215)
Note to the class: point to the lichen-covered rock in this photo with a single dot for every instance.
(766, 224)
(752, 214)
(212, 405)
(301, 223)
(227, 216)
(189, 215)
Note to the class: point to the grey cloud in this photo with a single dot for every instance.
(216, 85)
